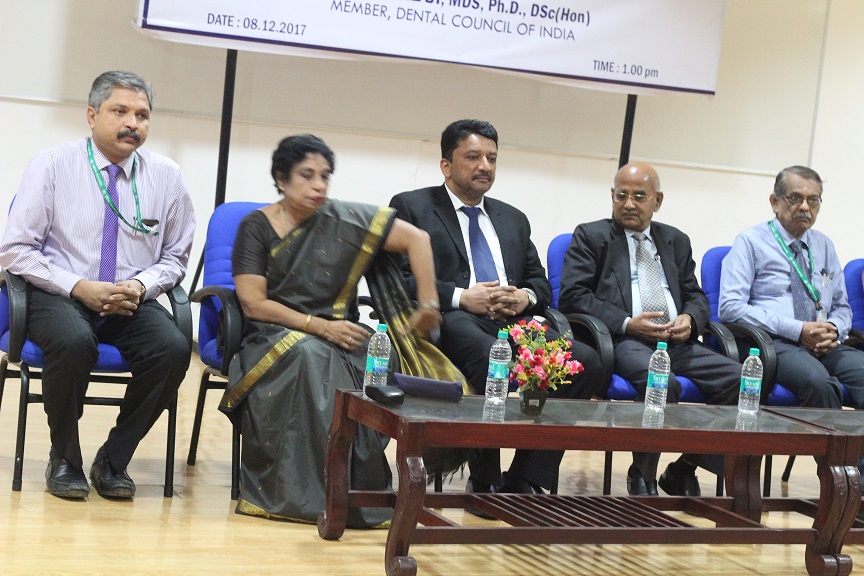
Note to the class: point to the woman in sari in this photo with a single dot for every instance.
(296, 265)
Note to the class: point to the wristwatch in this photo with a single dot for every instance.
(142, 292)
(532, 298)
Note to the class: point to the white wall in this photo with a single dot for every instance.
(789, 85)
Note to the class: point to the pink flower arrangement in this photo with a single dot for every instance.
(539, 364)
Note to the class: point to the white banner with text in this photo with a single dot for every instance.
(651, 44)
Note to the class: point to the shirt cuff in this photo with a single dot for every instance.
(624, 325)
(66, 281)
(457, 295)
(790, 329)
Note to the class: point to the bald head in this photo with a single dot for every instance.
(636, 196)
(639, 171)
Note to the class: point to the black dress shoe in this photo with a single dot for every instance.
(520, 486)
(108, 483)
(638, 486)
(679, 479)
(480, 488)
(65, 480)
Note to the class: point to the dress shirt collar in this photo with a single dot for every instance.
(458, 204)
(646, 232)
(788, 238)
(102, 161)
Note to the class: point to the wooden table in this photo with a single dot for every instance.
(602, 426)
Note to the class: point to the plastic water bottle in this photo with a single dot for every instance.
(377, 358)
(751, 383)
(498, 376)
(653, 417)
(494, 411)
(747, 421)
(658, 378)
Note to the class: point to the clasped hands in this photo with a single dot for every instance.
(107, 298)
(819, 338)
(644, 328)
(494, 301)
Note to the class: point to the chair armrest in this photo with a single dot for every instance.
(592, 331)
(232, 319)
(724, 338)
(855, 339)
(560, 322)
(181, 309)
(749, 336)
(16, 291)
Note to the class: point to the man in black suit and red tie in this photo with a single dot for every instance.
(637, 276)
(489, 276)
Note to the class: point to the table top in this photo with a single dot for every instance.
(598, 425)
(843, 421)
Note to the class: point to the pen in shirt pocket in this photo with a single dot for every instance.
(825, 277)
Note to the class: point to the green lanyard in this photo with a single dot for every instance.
(811, 290)
(139, 225)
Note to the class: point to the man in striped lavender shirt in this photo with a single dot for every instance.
(99, 228)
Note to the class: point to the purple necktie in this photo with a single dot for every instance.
(108, 263)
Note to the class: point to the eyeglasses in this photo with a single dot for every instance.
(796, 199)
(620, 196)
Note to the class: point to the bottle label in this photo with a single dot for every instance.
(377, 365)
(751, 385)
(498, 370)
(658, 381)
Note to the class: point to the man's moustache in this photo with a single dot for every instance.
(133, 133)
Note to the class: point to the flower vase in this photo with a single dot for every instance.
(531, 401)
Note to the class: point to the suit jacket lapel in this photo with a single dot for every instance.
(667, 259)
(502, 230)
(621, 264)
(445, 212)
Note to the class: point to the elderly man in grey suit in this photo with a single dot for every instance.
(638, 278)
(489, 276)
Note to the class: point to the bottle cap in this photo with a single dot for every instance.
(661, 345)
(382, 327)
(754, 351)
(502, 334)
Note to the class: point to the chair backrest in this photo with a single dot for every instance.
(555, 262)
(712, 264)
(221, 233)
(855, 291)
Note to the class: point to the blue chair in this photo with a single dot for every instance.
(591, 330)
(220, 323)
(29, 360)
(855, 293)
(748, 335)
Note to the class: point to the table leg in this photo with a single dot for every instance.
(332, 521)
(839, 501)
(742, 485)
(409, 500)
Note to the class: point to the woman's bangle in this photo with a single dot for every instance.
(430, 305)
(306, 323)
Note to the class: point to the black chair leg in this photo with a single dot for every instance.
(788, 470)
(235, 462)
(439, 482)
(3, 363)
(169, 449)
(720, 481)
(199, 414)
(607, 474)
(766, 482)
(22, 428)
